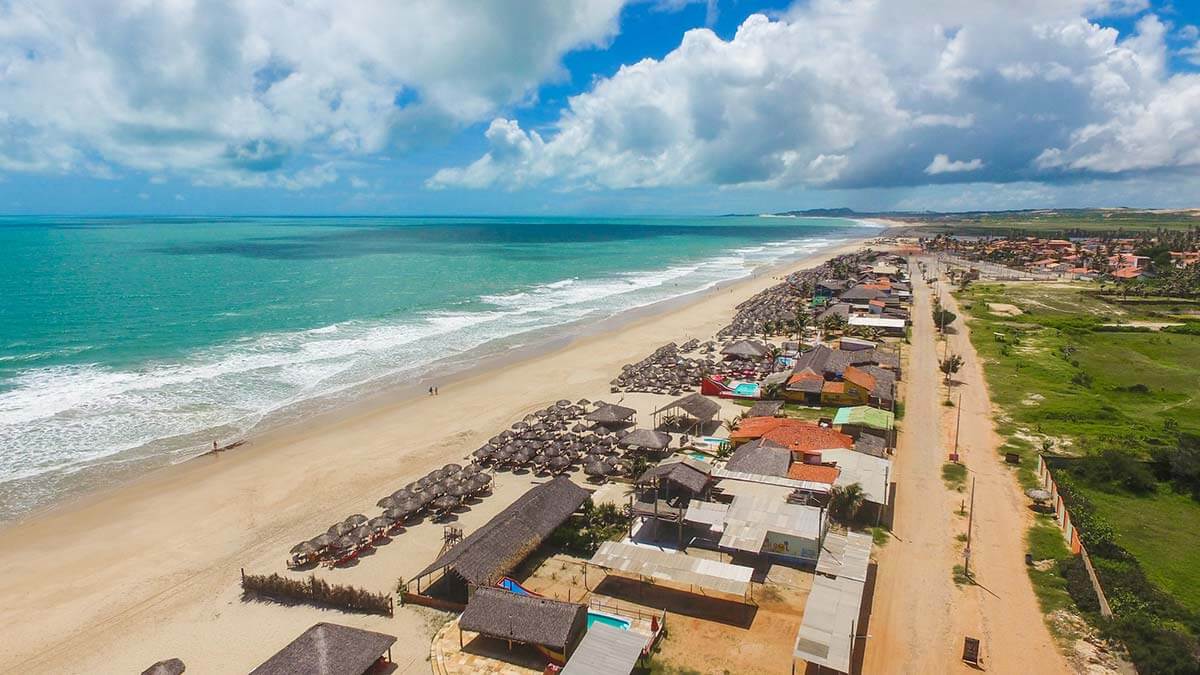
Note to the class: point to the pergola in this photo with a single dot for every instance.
(696, 406)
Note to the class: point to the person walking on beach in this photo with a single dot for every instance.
(435, 391)
(431, 391)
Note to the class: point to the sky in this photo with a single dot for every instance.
(595, 107)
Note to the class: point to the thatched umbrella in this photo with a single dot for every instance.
(520, 425)
(583, 401)
(559, 463)
(347, 542)
(438, 474)
(596, 469)
(470, 470)
(480, 481)
(304, 548)
(498, 440)
(484, 452)
(579, 428)
(387, 502)
(445, 503)
(452, 468)
(356, 519)
(379, 523)
(399, 513)
(339, 530)
(362, 532)
(462, 490)
(322, 540)
(562, 403)
(647, 439)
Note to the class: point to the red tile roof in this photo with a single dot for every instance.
(817, 473)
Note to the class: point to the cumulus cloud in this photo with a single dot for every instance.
(862, 93)
(943, 164)
(250, 91)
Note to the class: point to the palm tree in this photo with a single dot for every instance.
(846, 501)
(801, 323)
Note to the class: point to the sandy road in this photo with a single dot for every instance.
(920, 616)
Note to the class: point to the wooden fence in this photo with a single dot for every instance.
(1063, 518)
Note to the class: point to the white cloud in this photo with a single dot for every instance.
(230, 90)
(861, 93)
(943, 164)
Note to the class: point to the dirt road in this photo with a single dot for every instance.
(920, 616)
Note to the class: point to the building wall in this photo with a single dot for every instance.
(789, 546)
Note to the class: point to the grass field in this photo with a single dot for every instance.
(1048, 222)
(1162, 532)
(1068, 385)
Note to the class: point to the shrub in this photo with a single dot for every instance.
(317, 592)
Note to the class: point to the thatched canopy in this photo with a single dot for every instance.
(166, 667)
(646, 438)
(610, 413)
(761, 457)
(766, 408)
(503, 542)
(746, 349)
(498, 613)
(696, 405)
(328, 649)
(689, 474)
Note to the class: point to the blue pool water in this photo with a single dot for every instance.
(607, 619)
(746, 389)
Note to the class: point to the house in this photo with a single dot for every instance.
(805, 440)
(553, 625)
(894, 327)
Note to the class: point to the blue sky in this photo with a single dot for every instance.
(596, 106)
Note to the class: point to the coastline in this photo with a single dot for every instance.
(155, 559)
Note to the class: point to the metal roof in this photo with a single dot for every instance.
(845, 555)
(876, 322)
(725, 474)
(826, 636)
(865, 415)
(750, 519)
(867, 470)
(606, 650)
(672, 567)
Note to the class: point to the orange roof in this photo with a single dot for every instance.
(754, 427)
(860, 377)
(877, 302)
(1127, 273)
(804, 375)
(808, 437)
(833, 387)
(817, 473)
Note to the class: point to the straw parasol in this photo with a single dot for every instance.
(562, 403)
(322, 540)
(520, 425)
(445, 503)
(304, 548)
(560, 462)
(596, 468)
(462, 490)
(387, 502)
(399, 513)
(484, 452)
(338, 530)
(1038, 495)
(480, 480)
(379, 523)
(348, 541)
(452, 468)
(356, 519)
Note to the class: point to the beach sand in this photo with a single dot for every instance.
(117, 580)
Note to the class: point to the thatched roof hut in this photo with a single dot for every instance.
(746, 349)
(328, 649)
(166, 667)
(691, 475)
(646, 438)
(610, 413)
(761, 457)
(696, 405)
(497, 613)
(497, 547)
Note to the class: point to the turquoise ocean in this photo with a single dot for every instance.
(140, 340)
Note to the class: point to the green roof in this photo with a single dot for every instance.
(865, 416)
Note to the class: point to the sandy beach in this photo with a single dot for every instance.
(117, 580)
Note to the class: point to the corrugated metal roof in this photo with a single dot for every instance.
(845, 555)
(673, 567)
(749, 519)
(726, 474)
(826, 636)
(867, 470)
(864, 415)
(606, 650)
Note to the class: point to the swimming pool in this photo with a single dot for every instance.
(747, 389)
(608, 620)
(699, 456)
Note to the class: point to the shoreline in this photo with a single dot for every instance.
(129, 467)
(153, 562)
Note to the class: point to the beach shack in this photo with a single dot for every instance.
(553, 627)
(490, 553)
(663, 491)
(330, 649)
(689, 414)
(612, 415)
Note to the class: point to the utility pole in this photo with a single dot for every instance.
(970, 523)
(958, 425)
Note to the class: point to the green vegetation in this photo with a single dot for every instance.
(954, 475)
(582, 535)
(1061, 222)
(1124, 400)
(846, 501)
(880, 535)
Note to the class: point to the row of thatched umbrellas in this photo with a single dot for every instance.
(440, 491)
(778, 304)
(666, 371)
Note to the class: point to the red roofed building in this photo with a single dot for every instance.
(816, 473)
(1127, 273)
(805, 439)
